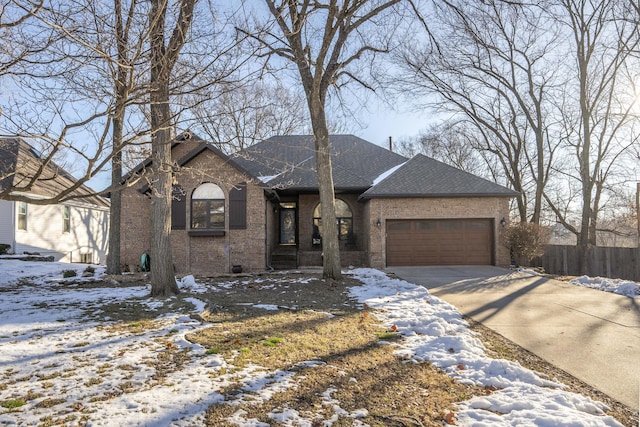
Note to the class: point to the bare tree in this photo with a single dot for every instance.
(61, 95)
(324, 39)
(453, 143)
(122, 72)
(16, 46)
(597, 130)
(249, 112)
(164, 55)
(489, 64)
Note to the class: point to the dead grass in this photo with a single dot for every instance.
(362, 372)
(357, 366)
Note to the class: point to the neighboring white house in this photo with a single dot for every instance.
(75, 230)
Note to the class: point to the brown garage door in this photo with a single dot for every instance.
(439, 242)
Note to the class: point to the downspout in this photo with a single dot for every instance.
(267, 249)
(14, 232)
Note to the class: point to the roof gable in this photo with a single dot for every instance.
(423, 176)
(20, 163)
(200, 146)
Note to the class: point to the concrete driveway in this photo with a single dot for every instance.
(593, 335)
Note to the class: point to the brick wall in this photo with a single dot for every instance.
(350, 254)
(203, 255)
(433, 208)
(135, 229)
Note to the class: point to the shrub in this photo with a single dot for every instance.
(69, 273)
(4, 248)
(90, 270)
(527, 240)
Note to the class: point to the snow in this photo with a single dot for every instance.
(52, 348)
(384, 175)
(619, 286)
(267, 178)
(435, 331)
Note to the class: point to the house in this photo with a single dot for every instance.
(260, 208)
(75, 230)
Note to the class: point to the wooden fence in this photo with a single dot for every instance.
(619, 263)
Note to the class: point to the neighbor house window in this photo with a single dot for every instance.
(344, 220)
(207, 207)
(86, 258)
(22, 216)
(66, 219)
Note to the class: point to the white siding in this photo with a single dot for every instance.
(45, 234)
(7, 225)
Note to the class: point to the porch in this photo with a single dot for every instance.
(296, 232)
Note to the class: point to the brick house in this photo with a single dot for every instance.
(260, 208)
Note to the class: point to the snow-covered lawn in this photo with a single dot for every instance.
(55, 361)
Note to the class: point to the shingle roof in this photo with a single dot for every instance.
(8, 161)
(423, 176)
(20, 163)
(289, 162)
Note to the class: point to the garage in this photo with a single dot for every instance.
(439, 242)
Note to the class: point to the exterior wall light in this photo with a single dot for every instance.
(378, 223)
(503, 222)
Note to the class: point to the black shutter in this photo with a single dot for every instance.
(178, 208)
(238, 207)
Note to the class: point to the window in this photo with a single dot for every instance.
(344, 220)
(66, 219)
(207, 207)
(86, 258)
(22, 216)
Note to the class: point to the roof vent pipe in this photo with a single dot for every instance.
(390, 144)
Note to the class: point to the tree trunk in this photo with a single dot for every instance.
(163, 282)
(541, 172)
(121, 94)
(115, 210)
(584, 155)
(330, 244)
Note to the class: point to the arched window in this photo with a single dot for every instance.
(207, 207)
(344, 220)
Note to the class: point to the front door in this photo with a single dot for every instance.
(287, 224)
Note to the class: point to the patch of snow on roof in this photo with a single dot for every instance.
(265, 179)
(383, 175)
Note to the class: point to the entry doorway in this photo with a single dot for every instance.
(288, 223)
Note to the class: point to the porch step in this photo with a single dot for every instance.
(284, 258)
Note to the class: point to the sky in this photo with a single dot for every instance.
(50, 349)
(379, 123)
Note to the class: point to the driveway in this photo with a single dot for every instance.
(593, 335)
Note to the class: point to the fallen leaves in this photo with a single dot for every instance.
(450, 418)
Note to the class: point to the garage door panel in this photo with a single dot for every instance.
(439, 242)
